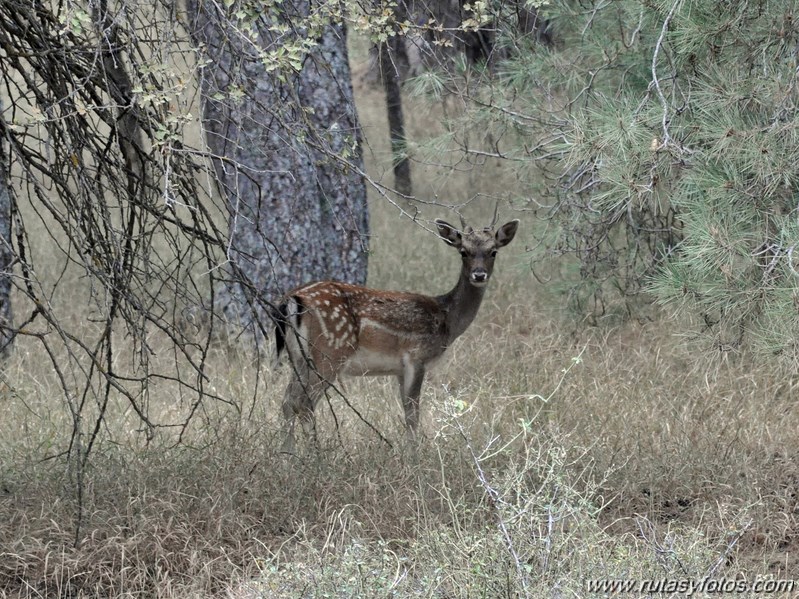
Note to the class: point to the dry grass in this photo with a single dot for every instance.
(552, 455)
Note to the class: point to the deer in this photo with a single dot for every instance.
(330, 328)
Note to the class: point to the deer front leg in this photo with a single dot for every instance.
(411, 388)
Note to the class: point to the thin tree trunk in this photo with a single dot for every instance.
(6, 254)
(288, 157)
(393, 60)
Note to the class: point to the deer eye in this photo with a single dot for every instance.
(493, 253)
(463, 252)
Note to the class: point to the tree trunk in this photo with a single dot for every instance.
(6, 254)
(393, 61)
(287, 150)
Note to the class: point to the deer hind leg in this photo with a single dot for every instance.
(411, 388)
(310, 382)
(304, 391)
(307, 384)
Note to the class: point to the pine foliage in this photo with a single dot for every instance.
(669, 132)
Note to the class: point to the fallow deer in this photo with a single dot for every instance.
(330, 328)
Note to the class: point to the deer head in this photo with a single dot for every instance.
(478, 248)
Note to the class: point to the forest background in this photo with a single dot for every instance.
(624, 407)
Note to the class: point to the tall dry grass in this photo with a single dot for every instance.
(552, 454)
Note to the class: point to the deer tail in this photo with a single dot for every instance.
(286, 316)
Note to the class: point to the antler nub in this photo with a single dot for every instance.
(464, 227)
(496, 216)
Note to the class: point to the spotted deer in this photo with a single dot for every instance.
(330, 328)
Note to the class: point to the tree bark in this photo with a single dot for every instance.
(287, 151)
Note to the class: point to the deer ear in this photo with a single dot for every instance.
(448, 233)
(506, 233)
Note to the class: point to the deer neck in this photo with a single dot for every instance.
(461, 304)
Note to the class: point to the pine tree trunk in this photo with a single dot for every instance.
(288, 158)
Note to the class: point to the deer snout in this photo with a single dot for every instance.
(479, 276)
